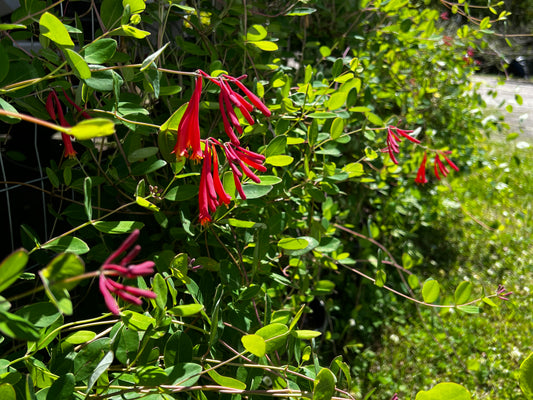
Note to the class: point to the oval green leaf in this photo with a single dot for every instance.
(52, 28)
(186, 310)
(463, 292)
(430, 291)
(279, 161)
(445, 391)
(526, 376)
(91, 128)
(255, 344)
(324, 386)
(78, 64)
(12, 267)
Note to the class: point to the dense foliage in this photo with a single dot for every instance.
(278, 172)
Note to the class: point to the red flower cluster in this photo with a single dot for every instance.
(211, 191)
(439, 168)
(189, 127)
(129, 293)
(393, 140)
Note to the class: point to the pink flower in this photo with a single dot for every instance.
(129, 293)
(189, 127)
(421, 174)
(393, 140)
(444, 16)
(502, 295)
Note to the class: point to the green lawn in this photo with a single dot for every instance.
(487, 219)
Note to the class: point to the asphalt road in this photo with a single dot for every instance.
(521, 115)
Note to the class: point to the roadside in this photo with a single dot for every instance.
(521, 114)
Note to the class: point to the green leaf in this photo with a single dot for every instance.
(469, 309)
(184, 374)
(337, 128)
(67, 243)
(336, 100)
(444, 391)
(52, 28)
(17, 327)
(6, 27)
(117, 227)
(178, 349)
(7, 392)
(256, 33)
(275, 335)
(91, 128)
(159, 287)
(78, 64)
(276, 146)
(255, 191)
(293, 244)
(305, 334)
(128, 30)
(12, 267)
(255, 344)
(103, 81)
(279, 161)
(152, 57)
(226, 381)
(374, 119)
(186, 310)
(146, 204)
(136, 321)
(102, 367)
(301, 11)
(142, 153)
(324, 385)
(87, 187)
(526, 376)
(100, 51)
(136, 6)
(173, 122)
(322, 115)
(413, 281)
(463, 292)
(381, 278)
(430, 291)
(518, 99)
(265, 45)
(237, 223)
(8, 107)
(298, 246)
(64, 266)
(80, 337)
(150, 375)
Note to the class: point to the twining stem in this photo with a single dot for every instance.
(34, 120)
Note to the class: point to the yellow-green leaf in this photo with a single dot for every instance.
(255, 344)
(91, 128)
(265, 45)
(51, 27)
(226, 381)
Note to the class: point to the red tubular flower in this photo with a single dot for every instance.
(421, 174)
(129, 293)
(228, 98)
(393, 140)
(53, 103)
(441, 167)
(450, 163)
(239, 157)
(211, 192)
(189, 127)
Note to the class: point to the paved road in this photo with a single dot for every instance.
(522, 115)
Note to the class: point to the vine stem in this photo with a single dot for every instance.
(34, 120)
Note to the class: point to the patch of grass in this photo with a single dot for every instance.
(487, 216)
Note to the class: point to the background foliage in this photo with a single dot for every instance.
(284, 292)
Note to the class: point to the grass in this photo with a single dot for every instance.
(487, 217)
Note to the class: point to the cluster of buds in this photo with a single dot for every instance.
(502, 293)
(190, 145)
(126, 270)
